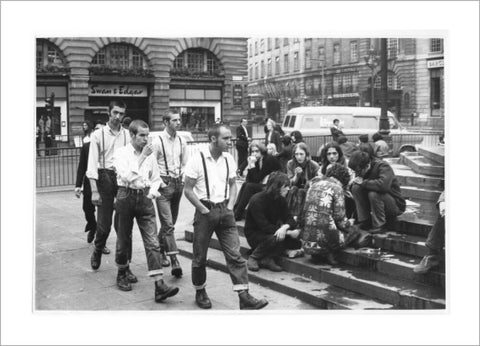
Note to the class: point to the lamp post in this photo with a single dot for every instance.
(371, 60)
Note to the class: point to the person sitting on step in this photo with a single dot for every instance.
(270, 228)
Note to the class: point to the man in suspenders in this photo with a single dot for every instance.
(170, 151)
(210, 185)
(103, 180)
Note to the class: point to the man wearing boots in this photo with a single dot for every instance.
(210, 186)
(138, 181)
(170, 152)
(103, 181)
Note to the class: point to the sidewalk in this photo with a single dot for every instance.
(64, 279)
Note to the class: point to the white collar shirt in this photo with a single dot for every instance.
(103, 143)
(130, 174)
(245, 129)
(217, 175)
(175, 152)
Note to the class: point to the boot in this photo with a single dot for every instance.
(202, 300)
(176, 269)
(165, 261)
(269, 263)
(122, 281)
(247, 302)
(252, 264)
(162, 291)
(130, 276)
(331, 259)
(96, 259)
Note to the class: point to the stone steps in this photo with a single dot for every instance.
(417, 193)
(400, 243)
(436, 153)
(422, 165)
(407, 177)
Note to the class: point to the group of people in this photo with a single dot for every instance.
(127, 172)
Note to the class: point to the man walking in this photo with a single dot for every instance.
(210, 185)
(170, 152)
(138, 181)
(242, 145)
(376, 192)
(103, 180)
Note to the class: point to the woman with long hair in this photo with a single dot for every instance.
(331, 153)
(270, 228)
(272, 135)
(87, 127)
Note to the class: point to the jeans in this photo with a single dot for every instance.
(270, 247)
(377, 205)
(436, 236)
(134, 204)
(107, 188)
(167, 206)
(221, 221)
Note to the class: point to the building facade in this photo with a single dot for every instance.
(289, 72)
(204, 78)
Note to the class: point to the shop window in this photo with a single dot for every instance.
(336, 54)
(353, 51)
(436, 45)
(49, 58)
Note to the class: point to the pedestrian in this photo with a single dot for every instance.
(260, 165)
(276, 126)
(138, 182)
(210, 185)
(381, 148)
(272, 136)
(336, 130)
(103, 180)
(170, 152)
(242, 142)
(270, 228)
(376, 192)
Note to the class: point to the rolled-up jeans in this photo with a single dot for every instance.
(221, 221)
(167, 207)
(134, 204)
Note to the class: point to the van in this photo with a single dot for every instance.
(317, 121)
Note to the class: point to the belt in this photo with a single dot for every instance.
(211, 205)
(106, 170)
(167, 177)
(143, 191)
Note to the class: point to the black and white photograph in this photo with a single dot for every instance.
(179, 176)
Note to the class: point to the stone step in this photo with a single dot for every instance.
(419, 193)
(436, 153)
(422, 165)
(319, 294)
(401, 294)
(412, 224)
(407, 177)
(400, 243)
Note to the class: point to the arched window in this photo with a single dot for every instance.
(120, 59)
(196, 62)
(49, 57)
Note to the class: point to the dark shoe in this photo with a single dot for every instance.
(163, 291)
(90, 236)
(364, 240)
(106, 251)
(269, 263)
(252, 264)
(202, 300)
(122, 281)
(130, 276)
(331, 259)
(165, 261)
(176, 269)
(428, 262)
(96, 259)
(247, 302)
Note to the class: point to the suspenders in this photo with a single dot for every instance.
(103, 143)
(206, 176)
(165, 156)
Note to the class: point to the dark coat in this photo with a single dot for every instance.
(336, 133)
(265, 215)
(82, 168)
(381, 178)
(270, 164)
(242, 138)
(284, 156)
(276, 139)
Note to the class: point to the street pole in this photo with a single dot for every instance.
(373, 88)
(384, 124)
(323, 84)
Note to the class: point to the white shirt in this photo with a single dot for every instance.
(217, 175)
(173, 147)
(103, 143)
(245, 129)
(129, 174)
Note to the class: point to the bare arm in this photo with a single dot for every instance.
(192, 197)
(233, 193)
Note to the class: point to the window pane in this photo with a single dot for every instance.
(353, 51)
(180, 61)
(277, 65)
(40, 54)
(269, 67)
(177, 94)
(195, 61)
(392, 47)
(119, 56)
(137, 59)
(295, 61)
(308, 58)
(195, 94)
(436, 45)
(277, 43)
(292, 121)
(336, 54)
(212, 65)
(212, 95)
(285, 63)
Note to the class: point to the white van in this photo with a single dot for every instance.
(317, 121)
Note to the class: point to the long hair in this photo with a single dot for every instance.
(324, 159)
(89, 129)
(297, 136)
(259, 146)
(275, 182)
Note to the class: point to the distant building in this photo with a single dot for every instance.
(289, 72)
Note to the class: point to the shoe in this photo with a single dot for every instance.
(377, 230)
(247, 302)
(202, 300)
(106, 251)
(428, 262)
(252, 264)
(176, 269)
(268, 263)
(165, 261)
(122, 281)
(96, 259)
(331, 259)
(364, 240)
(130, 276)
(90, 236)
(163, 291)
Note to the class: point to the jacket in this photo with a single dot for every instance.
(276, 139)
(270, 164)
(242, 138)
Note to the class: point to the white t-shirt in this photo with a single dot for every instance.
(217, 175)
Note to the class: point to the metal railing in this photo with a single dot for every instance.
(57, 166)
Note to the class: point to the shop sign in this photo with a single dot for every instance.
(237, 95)
(435, 63)
(345, 95)
(120, 90)
(237, 78)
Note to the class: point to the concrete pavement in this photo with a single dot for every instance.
(64, 279)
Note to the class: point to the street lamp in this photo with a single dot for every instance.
(371, 60)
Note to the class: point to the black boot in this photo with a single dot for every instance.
(163, 291)
(202, 300)
(247, 302)
(96, 259)
(176, 269)
(130, 276)
(122, 281)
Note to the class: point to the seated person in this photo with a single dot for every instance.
(272, 149)
(435, 241)
(286, 154)
(381, 148)
(331, 153)
(269, 225)
(300, 170)
(364, 139)
(347, 147)
(325, 228)
(376, 192)
(260, 165)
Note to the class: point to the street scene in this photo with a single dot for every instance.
(226, 174)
